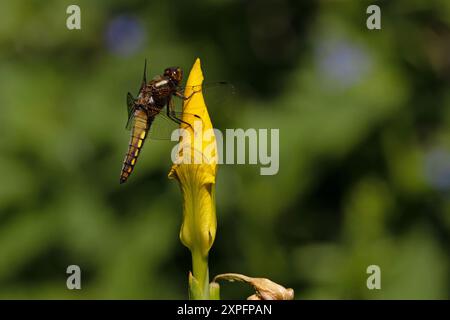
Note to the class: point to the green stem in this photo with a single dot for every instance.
(214, 291)
(201, 274)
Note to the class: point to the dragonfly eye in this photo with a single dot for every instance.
(167, 72)
(178, 74)
(174, 73)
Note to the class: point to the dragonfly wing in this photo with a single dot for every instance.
(219, 94)
(163, 125)
(209, 85)
(130, 109)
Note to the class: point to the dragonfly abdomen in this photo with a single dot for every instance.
(138, 134)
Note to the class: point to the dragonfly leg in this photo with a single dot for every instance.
(181, 95)
(172, 116)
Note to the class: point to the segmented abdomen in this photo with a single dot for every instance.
(138, 134)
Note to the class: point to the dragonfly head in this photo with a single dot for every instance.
(175, 74)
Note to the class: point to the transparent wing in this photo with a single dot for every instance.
(130, 109)
(162, 126)
(220, 97)
(216, 94)
(210, 85)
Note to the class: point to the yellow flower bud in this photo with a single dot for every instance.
(197, 180)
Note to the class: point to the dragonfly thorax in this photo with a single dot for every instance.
(145, 97)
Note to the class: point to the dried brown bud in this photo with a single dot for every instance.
(265, 288)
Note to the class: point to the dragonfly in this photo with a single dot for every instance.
(146, 110)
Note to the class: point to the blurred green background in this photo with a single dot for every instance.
(364, 119)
